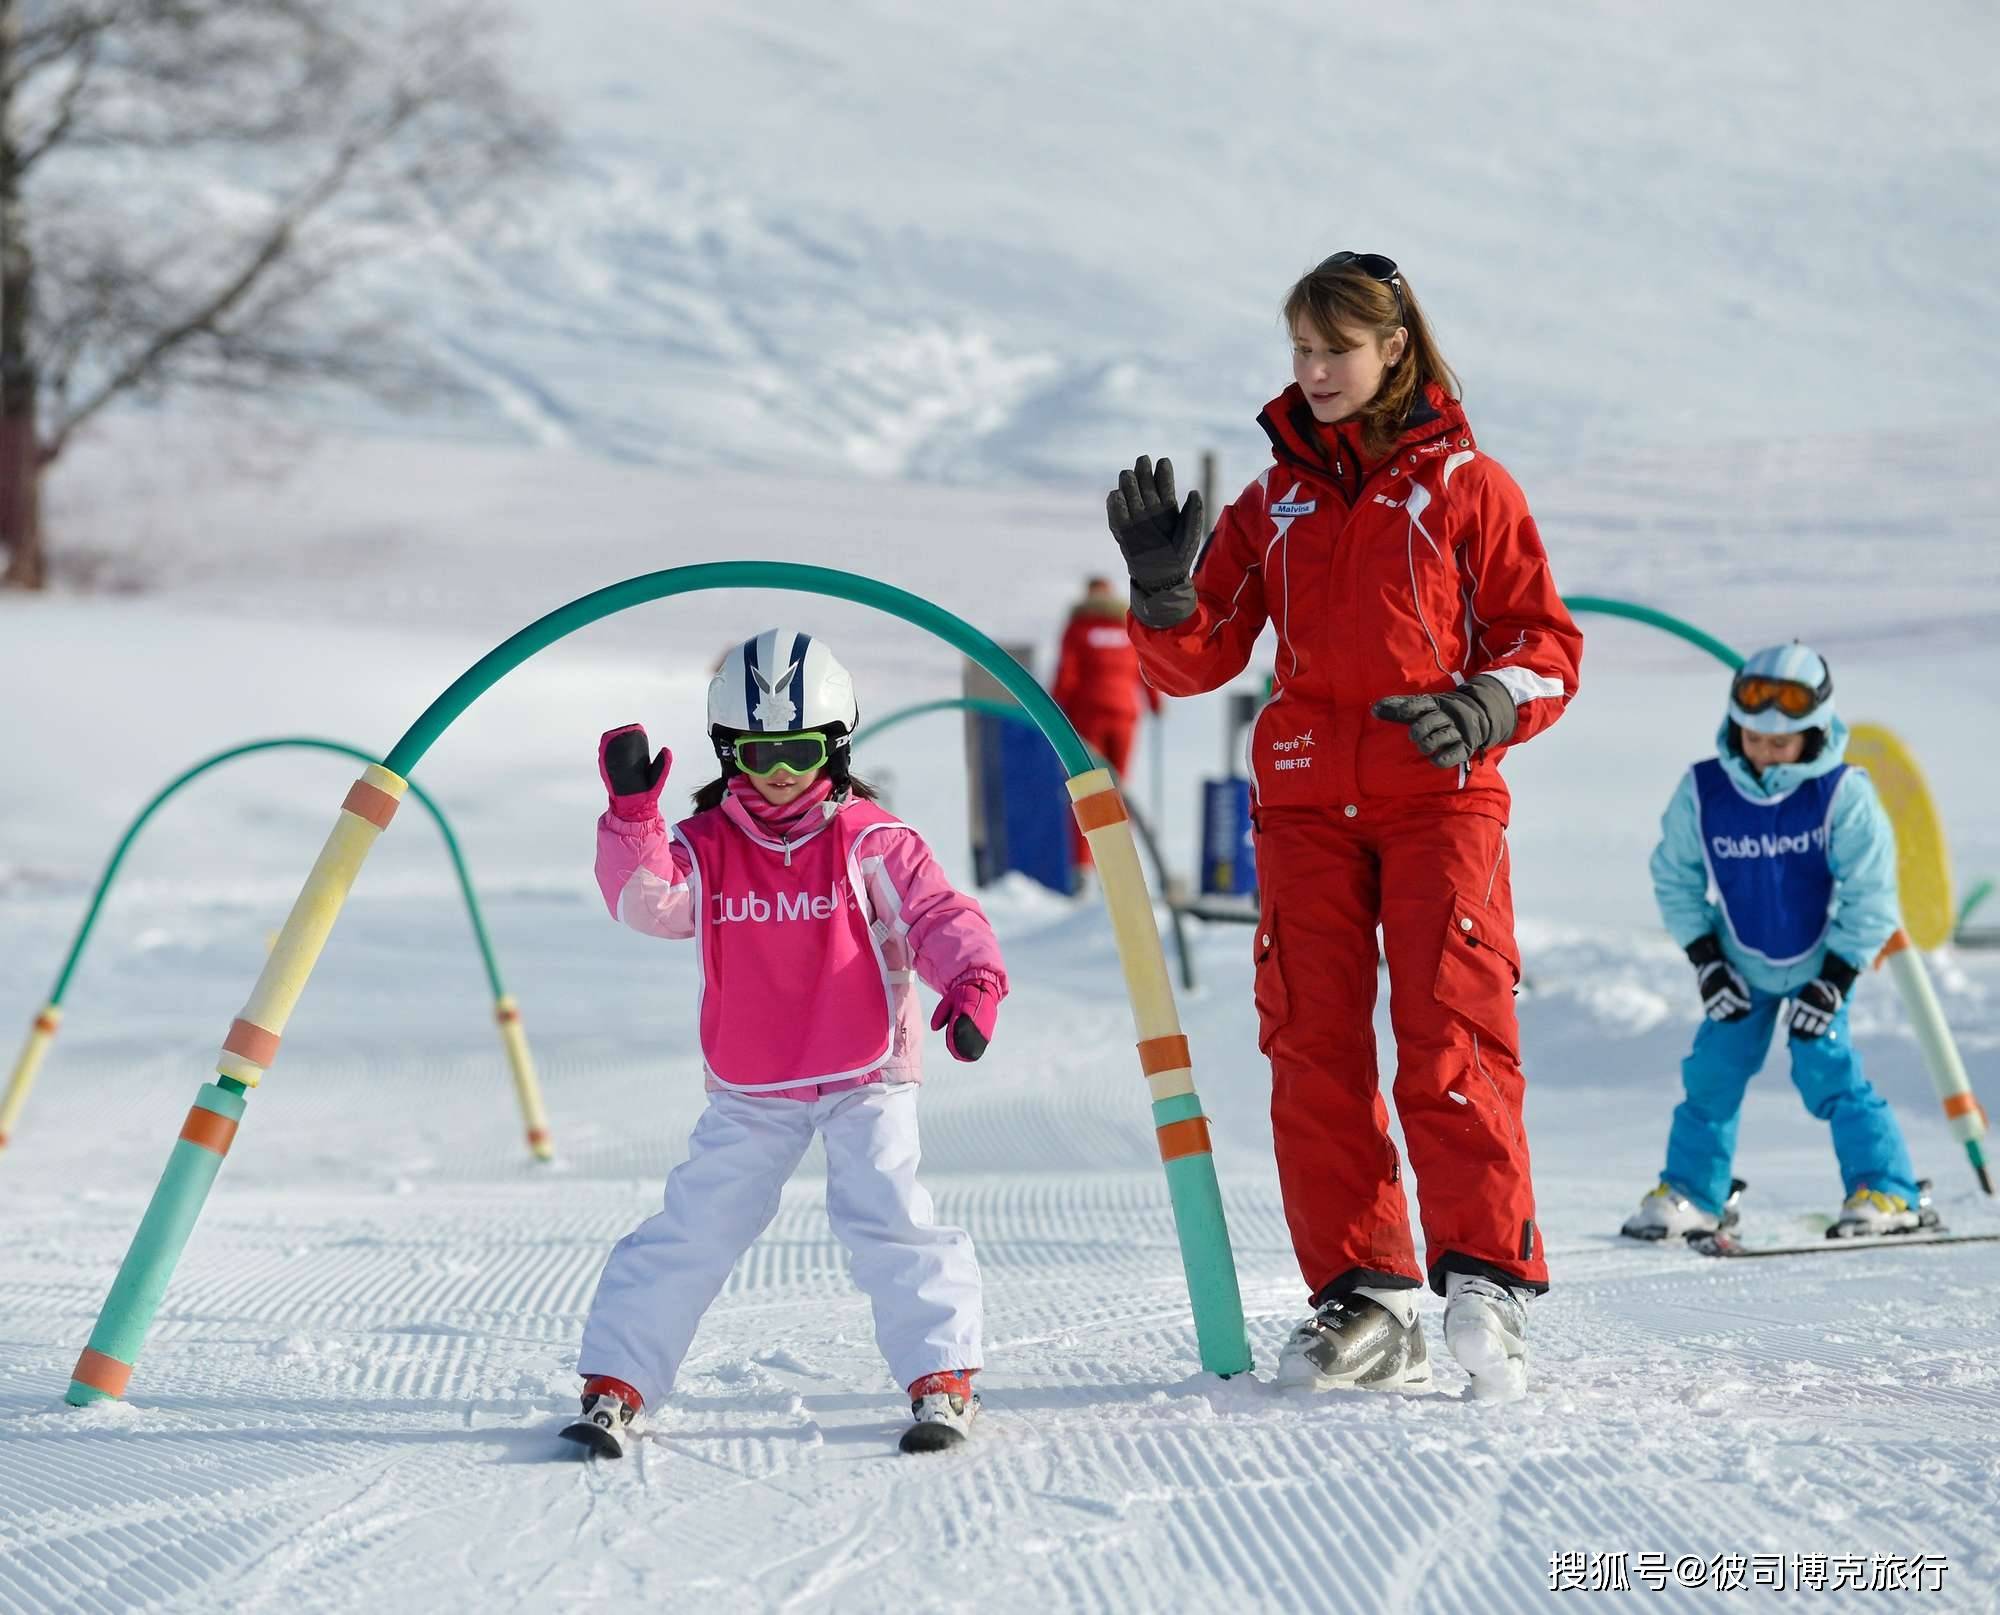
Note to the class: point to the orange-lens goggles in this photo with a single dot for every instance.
(1755, 693)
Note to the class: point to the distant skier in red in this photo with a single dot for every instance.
(1419, 635)
(1098, 684)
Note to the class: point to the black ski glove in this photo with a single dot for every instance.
(1725, 995)
(1453, 728)
(1160, 541)
(1816, 1003)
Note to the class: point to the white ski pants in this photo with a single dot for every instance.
(919, 1276)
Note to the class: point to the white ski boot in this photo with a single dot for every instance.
(1868, 1212)
(942, 1408)
(1486, 1327)
(1665, 1213)
(1366, 1340)
(608, 1422)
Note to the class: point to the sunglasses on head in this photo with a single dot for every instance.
(1756, 692)
(767, 754)
(1377, 268)
(1371, 264)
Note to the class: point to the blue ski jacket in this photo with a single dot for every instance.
(1858, 847)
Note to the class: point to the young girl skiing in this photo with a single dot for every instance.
(812, 909)
(1802, 861)
(1419, 635)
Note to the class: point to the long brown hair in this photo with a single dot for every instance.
(1348, 298)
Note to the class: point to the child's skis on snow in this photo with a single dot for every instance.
(1802, 861)
(813, 912)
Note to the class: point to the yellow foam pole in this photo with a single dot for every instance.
(1963, 1112)
(253, 1040)
(40, 1035)
(527, 1087)
(106, 1365)
(1181, 1128)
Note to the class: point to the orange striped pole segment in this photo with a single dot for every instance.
(41, 1033)
(367, 800)
(253, 1039)
(1168, 1066)
(1187, 1137)
(206, 1130)
(1107, 827)
(1185, 1147)
(527, 1086)
(105, 1375)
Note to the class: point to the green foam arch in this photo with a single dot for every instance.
(172, 788)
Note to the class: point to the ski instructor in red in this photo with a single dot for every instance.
(1419, 634)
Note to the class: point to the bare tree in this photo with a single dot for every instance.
(192, 193)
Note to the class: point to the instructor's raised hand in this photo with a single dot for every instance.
(1160, 541)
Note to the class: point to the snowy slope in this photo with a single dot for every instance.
(1008, 243)
(346, 1401)
(1720, 286)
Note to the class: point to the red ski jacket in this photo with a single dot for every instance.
(1097, 673)
(1404, 575)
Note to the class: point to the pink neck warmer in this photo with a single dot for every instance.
(782, 821)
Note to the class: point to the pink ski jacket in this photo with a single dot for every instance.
(813, 927)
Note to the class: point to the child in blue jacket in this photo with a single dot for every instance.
(1776, 871)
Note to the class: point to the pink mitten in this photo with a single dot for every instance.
(970, 1008)
(632, 775)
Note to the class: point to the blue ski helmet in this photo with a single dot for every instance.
(1782, 690)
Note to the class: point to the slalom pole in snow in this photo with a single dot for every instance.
(1962, 1109)
(1923, 889)
(506, 1012)
(252, 1044)
(247, 1052)
(1182, 1129)
(41, 1033)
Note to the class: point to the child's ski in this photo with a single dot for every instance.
(1727, 1244)
(605, 1426)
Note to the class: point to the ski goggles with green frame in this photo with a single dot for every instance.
(762, 755)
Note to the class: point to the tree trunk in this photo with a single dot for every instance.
(20, 453)
(21, 503)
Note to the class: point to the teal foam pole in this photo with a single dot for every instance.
(106, 1364)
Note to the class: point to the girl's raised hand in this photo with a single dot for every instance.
(632, 775)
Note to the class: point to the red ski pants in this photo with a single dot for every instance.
(1437, 884)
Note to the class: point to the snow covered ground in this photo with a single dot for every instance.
(347, 1400)
(1723, 298)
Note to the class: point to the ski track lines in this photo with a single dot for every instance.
(95, 1526)
(348, 1396)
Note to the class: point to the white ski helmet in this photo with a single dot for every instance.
(1782, 690)
(781, 682)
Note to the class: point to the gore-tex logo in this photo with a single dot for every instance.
(1296, 743)
(758, 908)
